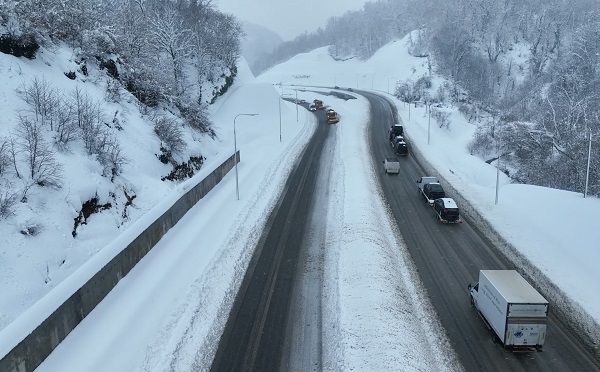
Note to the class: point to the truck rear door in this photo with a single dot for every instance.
(530, 334)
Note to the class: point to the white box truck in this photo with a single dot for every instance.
(391, 165)
(512, 308)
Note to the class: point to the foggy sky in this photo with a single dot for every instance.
(288, 18)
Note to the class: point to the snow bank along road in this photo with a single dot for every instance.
(449, 257)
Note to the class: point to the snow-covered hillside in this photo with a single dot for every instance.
(38, 248)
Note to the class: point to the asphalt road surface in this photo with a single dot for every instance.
(449, 257)
(255, 333)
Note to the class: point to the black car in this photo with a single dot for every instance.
(395, 140)
(401, 148)
(446, 210)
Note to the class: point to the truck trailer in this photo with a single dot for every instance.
(511, 307)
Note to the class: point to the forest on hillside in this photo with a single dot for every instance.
(147, 45)
(525, 71)
(176, 56)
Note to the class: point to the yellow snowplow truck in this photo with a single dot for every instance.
(332, 116)
(318, 104)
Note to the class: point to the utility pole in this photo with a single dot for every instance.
(429, 123)
(587, 172)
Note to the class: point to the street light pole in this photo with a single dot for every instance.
(280, 96)
(296, 105)
(429, 123)
(237, 188)
(587, 172)
(497, 172)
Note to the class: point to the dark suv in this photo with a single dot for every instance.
(395, 131)
(446, 210)
(401, 148)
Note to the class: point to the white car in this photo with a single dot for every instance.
(312, 107)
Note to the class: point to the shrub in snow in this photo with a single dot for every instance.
(113, 91)
(43, 168)
(144, 88)
(110, 66)
(19, 46)
(443, 93)
(185, 170)
(87, 209)
(31, 229)
(196, 116)
(7, 199)
(165, 156)
(170, 134)
(71, 75)
(441, 117)
(481, 144)
(65, 125)
(228, 83)
(110, 154)
(4, 155)
(42, 98)
(422, 84)
(408, 91)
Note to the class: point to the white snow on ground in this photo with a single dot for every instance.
(381, 314)
(167, 314)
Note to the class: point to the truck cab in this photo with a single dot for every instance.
(332, 116)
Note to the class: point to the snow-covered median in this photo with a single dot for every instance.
(378, 316)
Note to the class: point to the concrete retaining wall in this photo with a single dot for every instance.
(38, 345)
